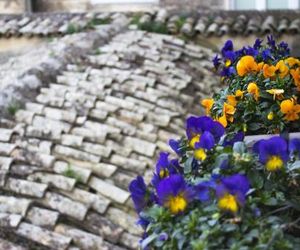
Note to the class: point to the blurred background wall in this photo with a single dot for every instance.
(19, 6)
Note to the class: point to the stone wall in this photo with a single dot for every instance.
(192, 4)
(60, 5)
(87, 5)
(12, 6)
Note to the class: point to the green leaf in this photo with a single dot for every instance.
(271, 201)
(229, 227)
(188, 165)
(148, 240)
(220, 159)
(256, 179)
(254, 126)
(239, 147)
(294, 166)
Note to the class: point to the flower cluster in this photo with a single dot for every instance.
(219, 189)
(262, 93)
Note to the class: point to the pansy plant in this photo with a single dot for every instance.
(261, 94)
(219, 192)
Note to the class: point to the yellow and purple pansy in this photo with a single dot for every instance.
(164, 168)
(273, 153)
(174, 193)
(231, 192)
(203, 133)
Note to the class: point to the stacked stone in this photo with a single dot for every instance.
(51, 24)
(67, 162)
(203, 23)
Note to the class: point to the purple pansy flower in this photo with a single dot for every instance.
(231, 192)
(273, 153)
(174, 193)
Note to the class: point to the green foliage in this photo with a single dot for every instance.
(136, 19)
(73, 28)
(98, 21)
(204, 228)
(261, 109)
(152, 26)
(268, 221)
(98, 51)
(180, 22)
(13, 107)
(69, 172)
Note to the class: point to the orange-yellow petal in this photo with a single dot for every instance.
(269, 71)
(223, 120)
(246, 65)
(291, 61)
(296, 76)
(290, 109)
(228, 109)
(286, 106)
(281, 69)
(207, 104)
(254, 90)
(260, 66)
(231, 100)
(239, 94)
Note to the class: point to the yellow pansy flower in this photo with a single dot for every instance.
(246, 65)
(291, 61)
(296, 76)
(228, 112)
(207, 104)
(269, 71)
(290, 109)
(281, 69)
(254, 90)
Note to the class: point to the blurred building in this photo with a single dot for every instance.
(19, 6)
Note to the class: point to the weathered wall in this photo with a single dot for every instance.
(60, 5)
(12, 6)
(86, 5)
(191, 4)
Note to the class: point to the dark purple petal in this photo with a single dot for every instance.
(237, 185)
(162, 161)
(271, 42)
(207, 141)
(275, 146)
(228, 46)
(197, 125)
(236, 138)
(216, 61)
(138, 191)
(202, 190)
(251, 51)
(294, 146)
(229, 55)
(257, 43)
(143, 222)
(173, 186)
(217, 130)
(228, 71)
(175, 145)
(266, 54)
